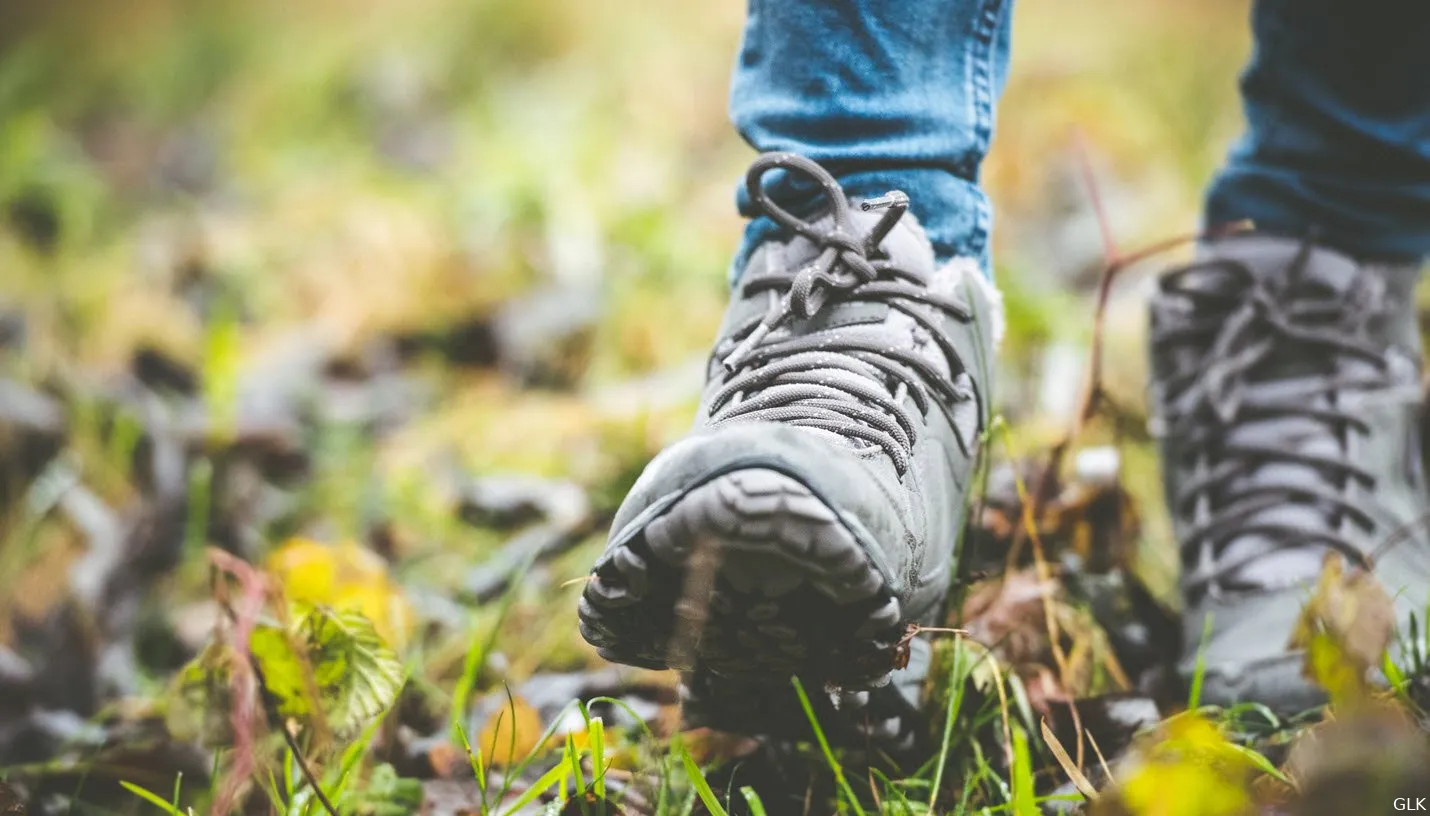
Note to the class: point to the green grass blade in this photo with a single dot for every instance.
(196, 521)
(688, 807)
(894, 795)
(824, 746)
(1024, 797)
(640, 722)
(1262, 763)
(353, 754)
(514, 772)
(550, 779)
(956, 684)
(578, 779)
(597, 731)
(701, 786)
(1393, 675)
(1194, 696)
(270, 789)
(752, 801)
(151, 798)
(474, 759)
(970, 784)
(477, 655)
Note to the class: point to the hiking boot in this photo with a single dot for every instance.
(813, 512)
(1285, 388)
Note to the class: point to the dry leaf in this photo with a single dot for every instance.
(1081, 782)
(1009, 612)
(707, 745)
(1335, 763)
(1344, 629)
(448, 761)
(511, 733)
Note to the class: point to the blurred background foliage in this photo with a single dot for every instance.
(355, 169)
(370, 166)
(223, 185)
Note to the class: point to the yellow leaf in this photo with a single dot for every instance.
(510, 733)
(1344, 629)
(1183, 789)
(345, 577)
(1187, 768)
(1328, 666)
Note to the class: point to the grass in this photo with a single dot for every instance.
(957, 684)
(849, 798)
(702, 787)
(1199, 672)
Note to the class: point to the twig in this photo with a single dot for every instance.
(1091, 395)
(943, 629)
(693, 608)
(253, 594)
(292, 741)
(250, 685)
(1074, 772)
(1101, 760)
(1029, 516)
(1003, 708)
(1094, 194)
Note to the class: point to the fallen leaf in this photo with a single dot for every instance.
(1344, 629)
(1335, 763)
(10, 802)
(338, 657)
(201, 697)
(510, 733)
(1009, 612)
(358, 676)
(706, 745)
(1187, 767)
(346, 577)
(1079, 780)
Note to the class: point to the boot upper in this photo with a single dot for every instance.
(1287, 400)
(849, 359)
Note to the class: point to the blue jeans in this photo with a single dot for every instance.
(901, 94)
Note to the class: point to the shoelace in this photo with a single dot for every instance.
(1203, 402)
(832, 379)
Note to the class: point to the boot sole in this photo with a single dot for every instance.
(745, 581)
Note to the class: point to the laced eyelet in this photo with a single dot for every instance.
(1246, 327)
(848, 383)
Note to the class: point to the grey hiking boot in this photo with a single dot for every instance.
(813, 512)
(1286, 392)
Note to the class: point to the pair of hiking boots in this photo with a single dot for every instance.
(815, 510)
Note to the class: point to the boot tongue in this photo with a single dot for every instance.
(905, 245)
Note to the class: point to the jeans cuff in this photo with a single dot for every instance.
(954, 213)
